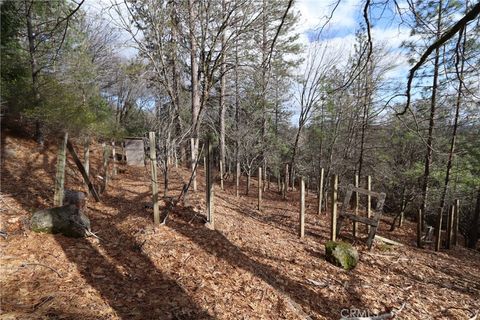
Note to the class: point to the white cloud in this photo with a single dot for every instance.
(341, 30)
(315, 13)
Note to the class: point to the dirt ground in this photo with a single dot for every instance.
(252, 266)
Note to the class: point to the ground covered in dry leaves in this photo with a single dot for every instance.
(252, 266)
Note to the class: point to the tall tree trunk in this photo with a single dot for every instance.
(195, 95)
(223, 85)
(60, 174)
(39, 135)
(431, 124)
(366, 108)
(263, 98)
(176, 77)
(237, 115)
(451, 153)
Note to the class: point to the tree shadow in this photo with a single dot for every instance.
(466, 285)
(126, 278)
(216, 244)
(281, 222)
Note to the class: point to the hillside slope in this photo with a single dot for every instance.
(253, 266)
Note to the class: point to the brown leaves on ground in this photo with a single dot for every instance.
(252, 266)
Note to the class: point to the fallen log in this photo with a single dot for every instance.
(388, 241)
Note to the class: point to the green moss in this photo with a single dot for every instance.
(341, 254)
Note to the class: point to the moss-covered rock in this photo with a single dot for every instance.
(341, 254)
(67, 220)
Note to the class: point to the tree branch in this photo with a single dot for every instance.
(457, 27)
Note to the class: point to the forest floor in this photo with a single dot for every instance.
(252, 266)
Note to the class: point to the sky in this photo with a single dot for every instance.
(346, 19)
(339, 32)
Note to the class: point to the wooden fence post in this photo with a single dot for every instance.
(307, 186)
(124, 154)
(286, 181)
(456, 222)
(209, 186)
(106, 155)
(165, 173)
(320, 191)
(369, 200)
(264, 180)
(438, 231)
(302, 208)
(81, 168)
(237, 180)
(86, 155)
(221, 174)
(153, 169)
(357, 203)
(293, 178)
(260, 187)
(60, 174)
(419, 228)
(114, 156)
(450, 220)
(333, 220)
(402, 209)
(194, 157)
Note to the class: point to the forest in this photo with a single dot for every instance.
(262, 127)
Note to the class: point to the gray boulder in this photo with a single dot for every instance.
(77, 198)
(67, 220)
(341, 254)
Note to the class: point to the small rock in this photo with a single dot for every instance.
(341, 254)
(76, 198)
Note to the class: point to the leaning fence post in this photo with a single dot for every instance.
(60, 174)
(153, 169)
(302, 208)
(333, 220)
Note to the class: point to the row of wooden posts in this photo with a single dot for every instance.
(452, 229)
(451, 234)
(209, 191)
(84, 168)
(65, 144)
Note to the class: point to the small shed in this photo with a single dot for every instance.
(135, 151)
